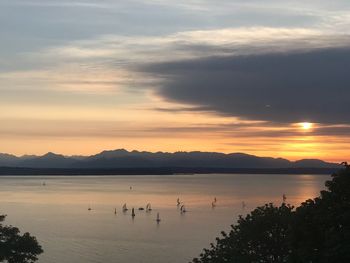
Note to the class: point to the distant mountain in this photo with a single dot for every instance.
(124, 159)
(311, 163)
(49, 160)
(8, 159)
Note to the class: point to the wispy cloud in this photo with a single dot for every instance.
(55, 3)
(112, 62)
(189, 44)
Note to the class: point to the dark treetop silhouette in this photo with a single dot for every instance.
(16, 248)
(317, 231)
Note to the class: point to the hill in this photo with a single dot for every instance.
(122, 159)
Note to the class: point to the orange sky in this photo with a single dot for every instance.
(35, 129)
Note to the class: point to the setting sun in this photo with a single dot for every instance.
(306, 125)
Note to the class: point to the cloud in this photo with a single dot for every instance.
(112, 58)
(258, 73)
(188, 44)
(181, 109)
(290, 86)
(54, 3)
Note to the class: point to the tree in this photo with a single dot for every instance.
(322, 225)
(259, 237)
(317, 231)
(16, 248)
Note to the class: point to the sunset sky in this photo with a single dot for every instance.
(270, 78)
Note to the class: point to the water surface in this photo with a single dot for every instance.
(57, 212)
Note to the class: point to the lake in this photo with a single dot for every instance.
(57, 212)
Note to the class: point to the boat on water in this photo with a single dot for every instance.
(133, 212)
(213, 204)
(158, 218)
(178, 201)
(183, 209)
(148, 207)
(124, 208)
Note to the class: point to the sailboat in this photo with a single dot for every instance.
(178, 201)
(213, 204)
(183, 209)
(148, 207)
(158, 218)
(125, 208)
(133, 212)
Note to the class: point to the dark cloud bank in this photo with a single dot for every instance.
(312, 85)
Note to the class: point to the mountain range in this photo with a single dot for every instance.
(135, 159)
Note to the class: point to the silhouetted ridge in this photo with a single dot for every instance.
(122, 158)
(8, 159)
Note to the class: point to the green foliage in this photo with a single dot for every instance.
(16, 248)
(317, 231)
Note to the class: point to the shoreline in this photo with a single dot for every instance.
(23, 171)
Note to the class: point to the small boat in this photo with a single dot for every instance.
(141, 209)
(148, 207)
(133, 212)
(115, 211)
(183, 209)
(125, 208)
(89, 208)
(158, 218)
(178, 201)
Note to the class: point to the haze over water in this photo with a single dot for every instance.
(57, 213)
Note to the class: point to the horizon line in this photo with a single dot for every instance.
(164, 152)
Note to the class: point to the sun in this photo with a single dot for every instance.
(306, 125)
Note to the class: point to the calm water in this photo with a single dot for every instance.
(57, 214)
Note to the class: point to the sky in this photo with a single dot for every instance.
(268, 78)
